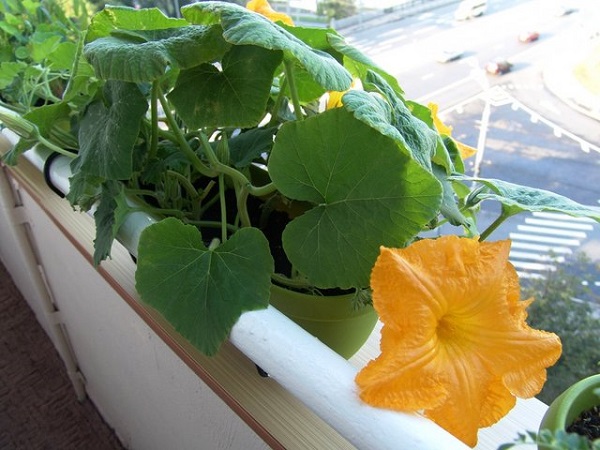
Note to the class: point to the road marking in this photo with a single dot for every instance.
(547, 239)
(554, 231)
(427, 76)
(559, 216)
(542, 242)
(537, 256)
(542, 248)
(533, 266)
(559, 224)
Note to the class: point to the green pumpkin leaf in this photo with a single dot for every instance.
(43, 44)
(84, 190)
(358, 181)
(47, 117)
(109, 216)
(235, 96)
(126, 18)
(244, 27)
(109, 130)
(202, 291)
(9, 71)
(145, 55)
(516, 198)
(63, 56)
(250, 145)
(391, 116)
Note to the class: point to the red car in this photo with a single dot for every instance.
(529, 36)
(498, 67)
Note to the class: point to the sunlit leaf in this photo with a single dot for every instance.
(244, 27)
(359, 183)
(202, 291)
(516, 198)
(43, 44)
(391, 117)
(145, 55)
(122, 17)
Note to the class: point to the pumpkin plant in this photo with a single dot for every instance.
(215, 124)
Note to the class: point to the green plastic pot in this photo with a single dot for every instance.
(570, 404)
(331, 319)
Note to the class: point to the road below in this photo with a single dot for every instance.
(525, 134)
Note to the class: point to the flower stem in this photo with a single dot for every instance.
(495, 224)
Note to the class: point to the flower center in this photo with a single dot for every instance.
(446, 329)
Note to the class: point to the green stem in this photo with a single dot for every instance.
(223, 208)
(495, 224)
(142, 192)
(46, 143)
(218, 165)
(187, 185)
(277, 104)
(213, 224)
(159, 211)
(236, 175)
(183, 144)
(291, 282)
(289, 74)
(154, 120)
(242, 202)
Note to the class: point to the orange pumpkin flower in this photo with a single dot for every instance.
(334, 98)
(264, 8)
(465, 150)
(455, 345)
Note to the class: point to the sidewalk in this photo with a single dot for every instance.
(560, 80)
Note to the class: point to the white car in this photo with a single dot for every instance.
(449, 55)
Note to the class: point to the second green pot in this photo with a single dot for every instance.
(571, 403)
(332, 319)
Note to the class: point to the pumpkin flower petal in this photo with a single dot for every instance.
(263, 7)
(465, 150)
(455, 344)
(334, 99)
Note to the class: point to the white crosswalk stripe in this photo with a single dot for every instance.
(545, 240)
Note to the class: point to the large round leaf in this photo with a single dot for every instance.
(366, 194)
(202, 292)
(235, 96)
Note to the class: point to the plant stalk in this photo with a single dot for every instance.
(185, 147)
(289, 75)
(495, 224)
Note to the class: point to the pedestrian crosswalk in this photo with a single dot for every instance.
(544, 240)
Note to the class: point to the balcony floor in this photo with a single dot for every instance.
(38, 405)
